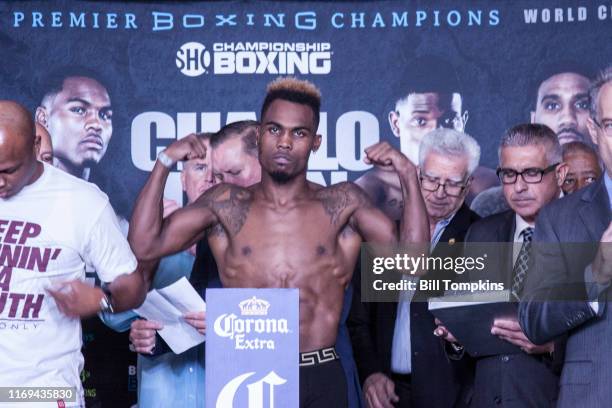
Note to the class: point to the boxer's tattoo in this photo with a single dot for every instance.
(337, 198)
(231, 204)
(334, 199)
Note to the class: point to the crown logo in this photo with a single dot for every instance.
(254, 307)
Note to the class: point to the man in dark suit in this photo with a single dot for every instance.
(531, 176)
(578, 274)
(396, 352)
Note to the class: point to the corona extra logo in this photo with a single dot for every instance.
(254, 307)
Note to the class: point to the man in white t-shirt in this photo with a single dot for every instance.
(51, 224)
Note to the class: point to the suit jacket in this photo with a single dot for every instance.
(435, 381)
(511, 380)
(559, 273)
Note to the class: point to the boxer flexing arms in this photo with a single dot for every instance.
(285, 232)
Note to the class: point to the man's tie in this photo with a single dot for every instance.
(522, 263)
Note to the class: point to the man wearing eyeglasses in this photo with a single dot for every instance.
(531, 173)
(558, 99)
(395, 350)
(430, 99)
(446, 176)
(583, 281)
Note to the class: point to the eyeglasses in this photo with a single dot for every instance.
(532, 175)
(606, 126)
(451, 188)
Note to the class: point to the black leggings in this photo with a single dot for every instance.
(323, 386)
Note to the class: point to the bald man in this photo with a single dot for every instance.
(44, 148)
(51, 224)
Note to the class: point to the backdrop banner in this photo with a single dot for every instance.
(172, 68)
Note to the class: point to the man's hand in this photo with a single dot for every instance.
(388, 158)
(602, 264)
(197, 320)
(509, 329)
(379, 391)
(187, 148)
(142, 335)
(442, 332)
(76, 298)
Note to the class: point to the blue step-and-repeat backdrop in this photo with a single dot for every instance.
(173, 68)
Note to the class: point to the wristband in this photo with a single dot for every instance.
(165, 160)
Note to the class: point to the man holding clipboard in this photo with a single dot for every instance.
(531, 173)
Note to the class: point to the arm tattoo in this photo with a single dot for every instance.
(231, 204)
(337, 198)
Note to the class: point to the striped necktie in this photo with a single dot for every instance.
(522, 263)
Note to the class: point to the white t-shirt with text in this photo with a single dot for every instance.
(48, 232)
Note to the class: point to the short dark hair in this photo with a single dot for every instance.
(529, 134)
(551, 68)
(427, 73)
(293, 90)
(52, 82)
(247, 129)
(577, 146)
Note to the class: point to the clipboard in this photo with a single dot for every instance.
(470, 318)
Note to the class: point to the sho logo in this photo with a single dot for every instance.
(255, 390)
(192, 59)
(273, 58)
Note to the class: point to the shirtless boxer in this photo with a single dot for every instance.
(284, 232)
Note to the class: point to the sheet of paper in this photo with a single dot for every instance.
(183, 296)
(167, 306)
